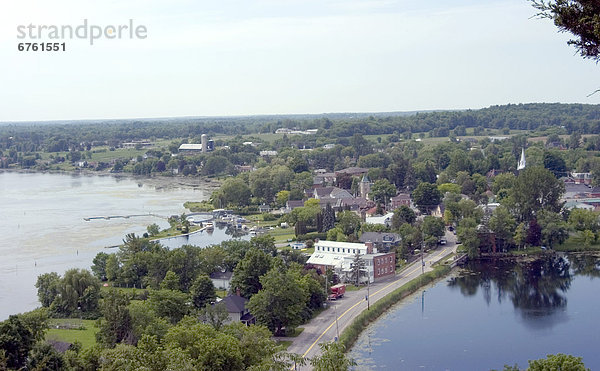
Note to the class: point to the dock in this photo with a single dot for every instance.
(123, 217)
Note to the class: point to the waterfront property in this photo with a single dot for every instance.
(340, 257)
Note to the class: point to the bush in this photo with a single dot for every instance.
(267, 217)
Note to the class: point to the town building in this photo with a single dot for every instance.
(340, 257)
(365, 187)
(221, 280)
(236, 307)
(582, 178)
(206, 145)
(190, 148)
(352, 171)
(399, 200)
(381, 240)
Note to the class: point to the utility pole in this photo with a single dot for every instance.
(368, 291)
(337, 329)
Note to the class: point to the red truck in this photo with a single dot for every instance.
(337, 291)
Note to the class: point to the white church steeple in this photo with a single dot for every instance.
(521, 164)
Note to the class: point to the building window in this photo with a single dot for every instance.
(338, 249)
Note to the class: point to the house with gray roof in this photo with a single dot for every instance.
(236, 307)
(381, 240)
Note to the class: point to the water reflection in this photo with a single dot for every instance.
(585, 265)
(493, 313)
(536, 287)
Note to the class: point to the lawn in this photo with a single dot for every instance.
(282, 234)
(71, 329)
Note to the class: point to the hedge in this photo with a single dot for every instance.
(352, 332)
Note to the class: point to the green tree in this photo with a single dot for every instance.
(554, 228)
(215, 164)
(411, 238)
(215, 315)
(449, 187)
(116, 326)
(336, 234)
(16, 340)
(382, 190)
(247, 273)
(112, 268)
(503, 181)
(169, 304)
(403, 214)
(433, 228)
(281, 301)
(202, 291)
(264, 243)
(144, 321)
(235, 192)
(328, 218)
(99, 265)
(558, 362)
(208, 349)
(503, 225)
(170, 282)
(78, 292)
(520, 235)
(535, 189)
(44, 357)
(332, 358)
(153, 229)
(256, 344)
(467, 233)
(582, 219)
(282, 197)
(360, 145)
(580, 18)
(47, 288)
(555, 163)
(348, 222)
(426, 196)
(588, 237)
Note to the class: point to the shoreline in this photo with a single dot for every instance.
(360, 323)
(157, 181)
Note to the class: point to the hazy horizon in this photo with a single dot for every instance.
(273, 57)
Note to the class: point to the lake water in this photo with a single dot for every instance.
(43, 229)
(491, 314)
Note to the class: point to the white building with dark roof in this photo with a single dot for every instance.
(340, 256)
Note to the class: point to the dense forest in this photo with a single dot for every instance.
(55, 137)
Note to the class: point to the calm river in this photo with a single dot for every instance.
(43, 229)
(489, 315)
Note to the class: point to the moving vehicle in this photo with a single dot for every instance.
(337, 291)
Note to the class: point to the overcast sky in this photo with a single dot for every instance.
(241, 57)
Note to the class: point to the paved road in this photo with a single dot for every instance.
(324, 328)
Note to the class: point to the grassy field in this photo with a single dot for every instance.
(282, 234)
(71, 330)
